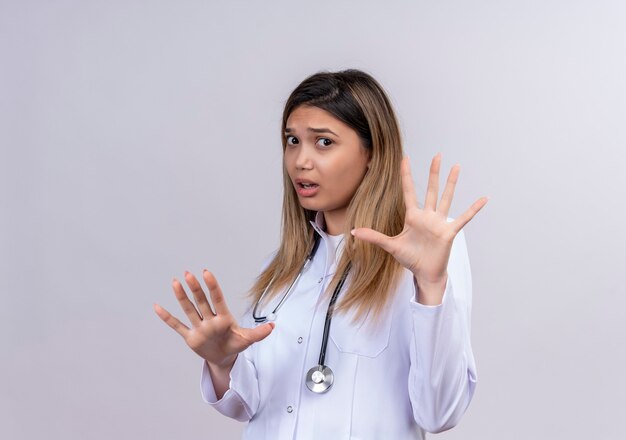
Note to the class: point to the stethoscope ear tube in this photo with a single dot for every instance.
(272, 315)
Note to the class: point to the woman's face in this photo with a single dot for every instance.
(325, 159)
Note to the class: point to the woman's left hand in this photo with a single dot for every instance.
(425, 242)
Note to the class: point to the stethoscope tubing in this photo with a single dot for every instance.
(320, 378)
(307, 261)
(329, 315)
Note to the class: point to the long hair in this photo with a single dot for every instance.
(358, 100)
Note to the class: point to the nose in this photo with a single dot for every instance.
(303, 158)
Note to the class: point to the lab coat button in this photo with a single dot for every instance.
(320, 280)
(300, 340)
(289, 409)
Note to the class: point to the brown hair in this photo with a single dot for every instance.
(355, 98)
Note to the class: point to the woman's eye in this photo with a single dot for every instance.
(295, 140)
(324, 142)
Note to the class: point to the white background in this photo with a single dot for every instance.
(140, 139)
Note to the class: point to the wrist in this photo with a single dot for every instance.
(430, 293)
(224, 366)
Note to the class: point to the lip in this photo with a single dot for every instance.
(306, 192)
(307, 181)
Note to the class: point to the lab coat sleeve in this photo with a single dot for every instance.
(241, 400)
(442, 377)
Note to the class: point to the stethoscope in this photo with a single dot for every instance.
(320, 378)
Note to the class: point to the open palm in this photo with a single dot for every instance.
(214, 336)
(425, 242)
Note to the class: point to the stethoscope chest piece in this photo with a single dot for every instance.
(319, 379)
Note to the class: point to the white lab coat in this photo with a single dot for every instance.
(414, 374)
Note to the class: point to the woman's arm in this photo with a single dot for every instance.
(232, 388)
(443, 374)
(218, 339)
(220, 376)
(442, 377)
(237, 393)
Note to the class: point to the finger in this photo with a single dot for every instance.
(448, 192)
(464, 218)
(198, 294)
(374, 237)
(408, 188)
(187, 306)
(433, 183)
(257, 333)
(217, 297)
(170, 320)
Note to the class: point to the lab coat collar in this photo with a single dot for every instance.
(319, 224)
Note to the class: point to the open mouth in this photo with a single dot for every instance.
(308, 185)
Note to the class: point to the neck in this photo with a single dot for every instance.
(335, 221)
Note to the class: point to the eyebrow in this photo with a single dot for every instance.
(315, 130)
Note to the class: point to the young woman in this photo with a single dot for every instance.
(359, 324)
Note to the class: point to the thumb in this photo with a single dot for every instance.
(260, 332)
(372, 236)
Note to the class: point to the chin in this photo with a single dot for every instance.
(311, 205)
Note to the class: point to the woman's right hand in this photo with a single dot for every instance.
(216, 337)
